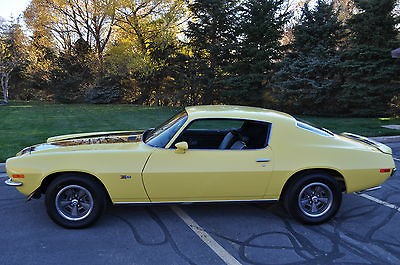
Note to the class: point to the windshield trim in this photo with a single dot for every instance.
(170, 126)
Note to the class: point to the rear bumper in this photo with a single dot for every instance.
(12, 183)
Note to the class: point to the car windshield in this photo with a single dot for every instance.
(160, 136)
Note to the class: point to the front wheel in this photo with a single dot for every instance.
(314, 198)
(75, 201)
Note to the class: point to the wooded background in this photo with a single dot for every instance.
(305, 57)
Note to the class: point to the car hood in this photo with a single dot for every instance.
(93, 135)
(86, 139)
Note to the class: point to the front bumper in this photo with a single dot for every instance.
(12, 183)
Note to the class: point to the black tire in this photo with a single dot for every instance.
(313, 198)
(75, 201)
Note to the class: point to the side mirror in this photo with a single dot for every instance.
(181, 147)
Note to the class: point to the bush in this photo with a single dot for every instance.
(107, 91)
(69, 90)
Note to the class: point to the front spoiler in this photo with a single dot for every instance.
(12, 183)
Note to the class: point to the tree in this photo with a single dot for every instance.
(74, 74)
(260, 30)
(12, 54)
(307, 79)
(371, 76)
(212, 34)
(345, 9)
(146, 48)
(41, 52)
(73, 20)
(69, 41)
(235, 45)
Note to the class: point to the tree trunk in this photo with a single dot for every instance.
(4, 85)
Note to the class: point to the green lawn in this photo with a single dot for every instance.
(361, 126)
(24, 124)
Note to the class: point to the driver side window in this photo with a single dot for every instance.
(222, 134)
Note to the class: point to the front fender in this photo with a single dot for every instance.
(120, 171)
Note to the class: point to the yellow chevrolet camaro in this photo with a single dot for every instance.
(203, 154)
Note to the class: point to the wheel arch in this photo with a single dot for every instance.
(50, 178)
(331, 172)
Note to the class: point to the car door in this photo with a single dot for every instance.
(208, 174)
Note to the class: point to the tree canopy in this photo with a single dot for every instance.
(308, 78)
(370, 76)
(324, 57)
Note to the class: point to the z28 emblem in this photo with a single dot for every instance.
(125, 177)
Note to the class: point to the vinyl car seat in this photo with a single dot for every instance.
(228, 140)
(238, 145)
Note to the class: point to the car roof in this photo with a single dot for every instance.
(237, 112)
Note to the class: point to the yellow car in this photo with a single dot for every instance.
(203, 154)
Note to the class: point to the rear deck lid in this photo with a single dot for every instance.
(381, 147)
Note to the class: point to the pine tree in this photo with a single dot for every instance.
(371, 76)
(307, 80)
(235, 45)
(212, 35)
(261, 29)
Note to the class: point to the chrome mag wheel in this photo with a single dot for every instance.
(74, 202)
(315, 199)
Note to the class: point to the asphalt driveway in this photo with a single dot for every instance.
(365, 231)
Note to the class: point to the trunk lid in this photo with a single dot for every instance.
(380, 146)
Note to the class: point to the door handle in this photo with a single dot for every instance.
(263, 160)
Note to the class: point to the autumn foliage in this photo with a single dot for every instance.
(319, 57)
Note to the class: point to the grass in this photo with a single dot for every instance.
(24, 124)
(362, 126)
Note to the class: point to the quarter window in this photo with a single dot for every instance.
(310, 128)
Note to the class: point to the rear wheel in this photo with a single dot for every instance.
(75, 201)
(313, 198)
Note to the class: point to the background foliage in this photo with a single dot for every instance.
(324, 57)
(28, 123)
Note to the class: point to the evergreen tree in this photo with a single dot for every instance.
(371, 76)
(74, 74)
(261, 29)
(307, 79)
(212, 38)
